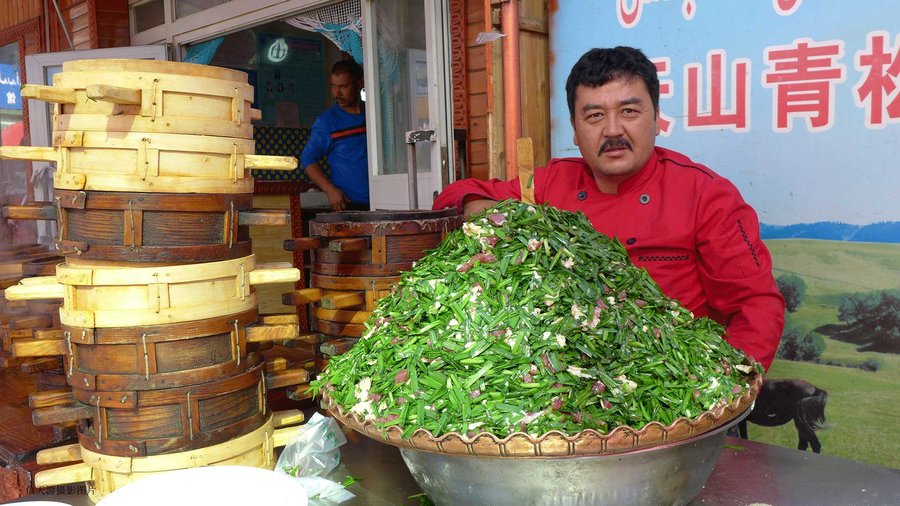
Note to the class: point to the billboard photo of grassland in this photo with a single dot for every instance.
(858, 363)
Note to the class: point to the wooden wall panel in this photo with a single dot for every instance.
(111, 23)
(16, 12)
(91, 24)
(496, 126)
(76, 16)
(534, 47)
(478, 91)
(479, 83)
(458, 64)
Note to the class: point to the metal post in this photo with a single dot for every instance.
(413, 137)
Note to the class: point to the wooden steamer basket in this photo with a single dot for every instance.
(118, 95)
(357, 257)
(142, 162)
(156, 422)
(107, 473)
(97, 295)
(150, 126)
(24, 319)
(151, 227)
(157, 357)
(129, 368)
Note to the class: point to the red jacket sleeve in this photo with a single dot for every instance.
(455, 194)
(736, 272)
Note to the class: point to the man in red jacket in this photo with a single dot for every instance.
(685, 224)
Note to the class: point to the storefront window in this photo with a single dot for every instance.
(148, 15)
(13, 173)
(187, 7)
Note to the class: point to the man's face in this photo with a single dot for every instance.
(615, 129)
(345, 91)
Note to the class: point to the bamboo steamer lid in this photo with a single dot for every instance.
(98, 294)
(120, 95)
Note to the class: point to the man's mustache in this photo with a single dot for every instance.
(619, 142)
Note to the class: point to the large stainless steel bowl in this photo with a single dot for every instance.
(666, 474)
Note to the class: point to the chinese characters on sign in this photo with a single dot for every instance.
(802, 77)
(880, 67)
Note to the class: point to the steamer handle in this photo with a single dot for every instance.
(282, 437)
(114, 94)
(48, 93)
(39, 347)
(287, 417)
(267, 276)
(39, 280)
(268, 162)
(63, 475)
(259, 333)
(34, 153)
(35, 211)
(277, 217)
(303, 243)
(36, 291)
(59, 454)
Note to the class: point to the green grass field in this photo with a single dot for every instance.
(863, 407)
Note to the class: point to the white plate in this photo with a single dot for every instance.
(214, 485)
(42, 503)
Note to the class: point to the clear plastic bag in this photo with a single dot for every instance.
(311, 454)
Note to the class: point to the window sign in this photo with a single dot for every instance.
(278, 51)
(10, 82)
(290, 79)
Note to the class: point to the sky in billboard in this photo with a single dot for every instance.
(793, 100)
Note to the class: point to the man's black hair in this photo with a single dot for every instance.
(349, 67)
(600, 66)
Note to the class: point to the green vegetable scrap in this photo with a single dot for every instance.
(527, 319)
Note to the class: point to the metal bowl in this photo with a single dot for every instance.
(670, 473)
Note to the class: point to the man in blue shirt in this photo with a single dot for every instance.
(340, 135)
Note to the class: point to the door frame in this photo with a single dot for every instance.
(390, 191)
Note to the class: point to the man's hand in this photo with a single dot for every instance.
(476, 206)
(336, 198)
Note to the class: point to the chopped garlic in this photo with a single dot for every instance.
(577, 371)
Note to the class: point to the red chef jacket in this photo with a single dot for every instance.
(685, 224)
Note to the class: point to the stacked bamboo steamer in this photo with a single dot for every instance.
(28, 319)
(159, 319)
(356, 258)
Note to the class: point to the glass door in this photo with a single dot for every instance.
(407, 58)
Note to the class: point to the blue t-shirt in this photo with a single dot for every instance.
(341, 137)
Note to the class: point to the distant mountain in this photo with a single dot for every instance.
(884, 231)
